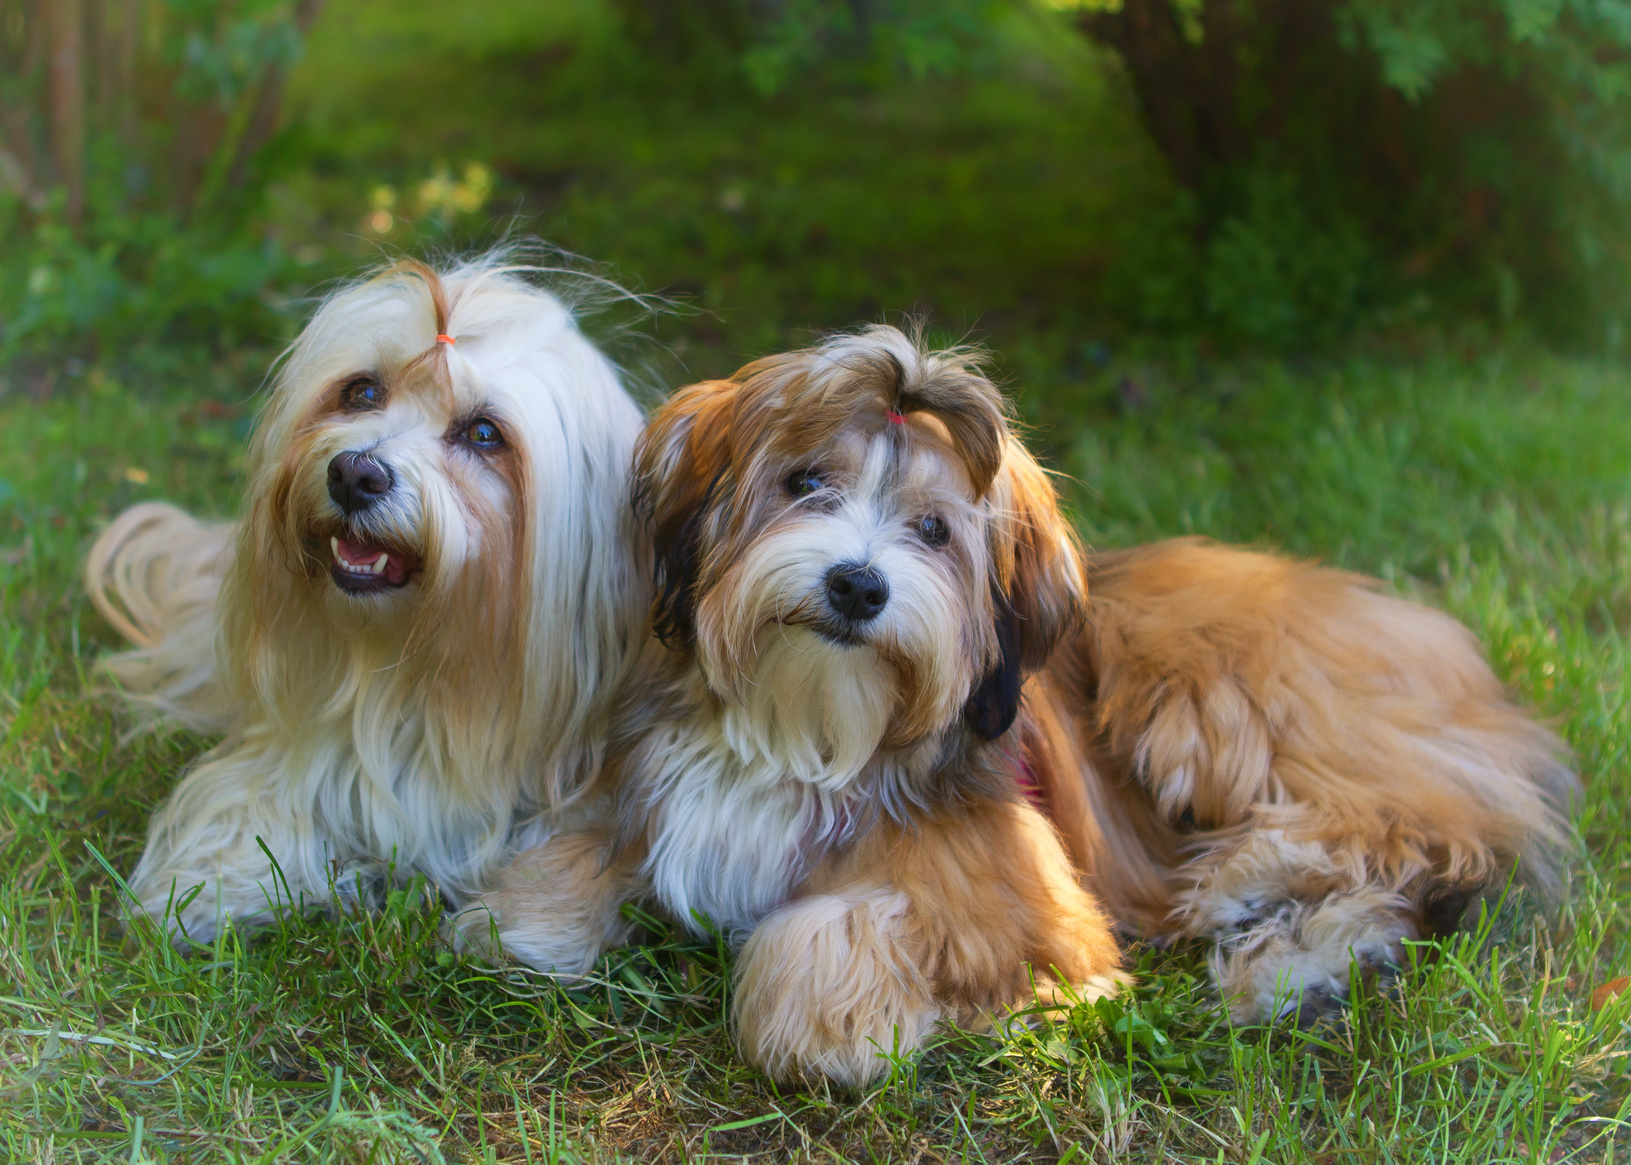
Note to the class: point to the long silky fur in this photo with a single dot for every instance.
(1285, 762)
(154, 574)
(437, 729)
(1274, 759)
(834, 800)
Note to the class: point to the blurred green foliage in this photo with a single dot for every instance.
(135, 140)
(1340, 164)
(1165, 176)
(1358, 162)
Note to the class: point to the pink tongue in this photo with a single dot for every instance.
(364, 554)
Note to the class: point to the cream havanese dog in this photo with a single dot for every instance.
(875, 659)
(412, 636)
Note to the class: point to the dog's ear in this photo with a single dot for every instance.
(679, 464)
(992, 707)
(1038, 586)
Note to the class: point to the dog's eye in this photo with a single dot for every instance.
(483, 434)
(362, 393)
(933, 531)
(804, 481)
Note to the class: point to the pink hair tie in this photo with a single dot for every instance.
(893, 417)
(444, 340)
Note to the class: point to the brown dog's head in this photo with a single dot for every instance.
(855, 547)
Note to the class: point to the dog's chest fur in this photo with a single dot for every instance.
(728, 836)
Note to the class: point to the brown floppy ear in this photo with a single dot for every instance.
(679, 464)
(1038, 586)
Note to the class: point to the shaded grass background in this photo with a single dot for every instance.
(1498, 488)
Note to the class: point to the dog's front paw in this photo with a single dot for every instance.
(1295, 964)
(556, 908)
(828, 987)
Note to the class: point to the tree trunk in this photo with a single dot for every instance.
(269, 101)
(67, 90)
(1190, 84)
(1166, 74)
(21, 163)
(130, 26)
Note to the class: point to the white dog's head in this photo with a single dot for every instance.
(437, 518)
(856, 549)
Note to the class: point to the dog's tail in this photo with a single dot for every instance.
(155, 574)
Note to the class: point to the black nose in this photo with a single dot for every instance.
(356, 482)
(857, 592)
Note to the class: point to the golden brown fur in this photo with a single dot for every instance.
(838, 790)
(960, 914)
(1232, 747)
(1292, 764)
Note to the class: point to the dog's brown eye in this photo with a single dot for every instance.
(362, 393)
(483, 434)
(933, 531)
(804, 481)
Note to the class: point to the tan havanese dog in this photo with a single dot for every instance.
(412, 636)
(834, 749)
(856, 564)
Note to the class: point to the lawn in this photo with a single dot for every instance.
(1494, 484)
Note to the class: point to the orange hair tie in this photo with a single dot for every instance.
(893, 417)
(444, 339)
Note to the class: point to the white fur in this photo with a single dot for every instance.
(356, 736)
(821, 708)
(731, 829)
(155, 574)
(746, 791)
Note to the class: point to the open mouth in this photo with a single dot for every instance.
(362, 568)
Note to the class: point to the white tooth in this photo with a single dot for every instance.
(379, 563)
(335, 543)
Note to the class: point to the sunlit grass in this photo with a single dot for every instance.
(1499, 489)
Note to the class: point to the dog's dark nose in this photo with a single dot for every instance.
(356, 482)
(857, 592)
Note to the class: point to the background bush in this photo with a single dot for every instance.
(1063, 176)
(135, 141)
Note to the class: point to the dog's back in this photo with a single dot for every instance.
(154, 574)
(1330, 769)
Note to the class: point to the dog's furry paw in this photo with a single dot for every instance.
(556, 907)
(1294, 961)
(824, 989)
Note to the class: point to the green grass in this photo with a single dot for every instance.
(1498, 488)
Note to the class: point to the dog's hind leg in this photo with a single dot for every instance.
(1299, 957)
(1288, 924)
(1340, 762)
